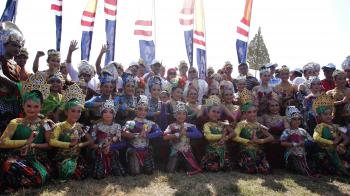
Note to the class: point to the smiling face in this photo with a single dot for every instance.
(181, 116)
(340, 80)
(192, 95)
(155, 91)
(214, 113)
(251, 114)
(177, 94)
(327, 116)
(274, 107)
(265, 77)
(228, 96)
(107, 89)
(54, 63)
(141, 112)
(32, 109)
(56, 85)
(295, 122)
(129, 89)
(107, 115)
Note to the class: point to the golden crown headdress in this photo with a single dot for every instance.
(74, 92)
(322, 101)
(57, 75)
(36, 82)
(245, 96)
(212, 100)
(109, 104)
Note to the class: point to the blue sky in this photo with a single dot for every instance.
(295, 32)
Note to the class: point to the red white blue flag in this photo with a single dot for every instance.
(56, 7)
(87, 23)
(186, 21)
(199, 39)
(110, 9)
(144, 30)
(243, 33)
(10, 10)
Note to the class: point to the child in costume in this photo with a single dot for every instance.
(216, 133)
(107, 143)
(330, 138)
(251, 135)
(70, 137)
(314, 86)
(295, 140)
(179, 134)
(24, 143)
(138, 132)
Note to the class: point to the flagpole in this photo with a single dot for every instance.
(14, 17)
(154, 22)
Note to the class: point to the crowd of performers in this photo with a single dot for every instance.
(65, 123)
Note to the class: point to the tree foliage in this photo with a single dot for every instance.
(258, 54)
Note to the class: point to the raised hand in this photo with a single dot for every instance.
(40, 54)
(104, 49)
(73, 46)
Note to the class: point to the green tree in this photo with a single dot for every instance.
(257, 52)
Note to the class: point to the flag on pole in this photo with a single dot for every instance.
(110, 15)
(87, 23)
(56, 6)
(199, 39)
(186, 21)
(144, 31)
(10, 10)
(243, 33)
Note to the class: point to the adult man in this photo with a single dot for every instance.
(251, 81)
(328, 83)
(21, 60)
(9, 73)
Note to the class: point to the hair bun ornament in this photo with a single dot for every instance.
(36, 82)
(213, 100)
(74, 92)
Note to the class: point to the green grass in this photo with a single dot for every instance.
(230, 183)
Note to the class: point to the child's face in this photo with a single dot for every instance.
(327, 116)
(141, 112)
(284, 76)
(214, 92)
(214, 113)
(340, 80)
(265, 77)
(251, 114)
(177, 94)
(56, 85)
(315, 86)
(139, 91)
(181, 116)
(107, 89)
(192, 95)
(228, 96)
(107, 115)
(129, 89)
(295, 122)
(164, 97)
(241, 84)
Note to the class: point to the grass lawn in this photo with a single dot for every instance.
(230, 183)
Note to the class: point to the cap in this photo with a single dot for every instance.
(155, 61)
(329, 66)
(269, 65)
(298, 70)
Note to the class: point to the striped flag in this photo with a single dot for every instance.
(243, 33)
(199, 39)
(10, 10)
(110, 15)
(186, 21)
(144, 31)
(87, 23)
(56, 6)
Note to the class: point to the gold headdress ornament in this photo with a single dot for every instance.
(11, 33)
(213, 100)
(322, 103)
(57, 75)
(180, 106)
(293, 112)
(284, 68)
(74, 92)
(246, 99)
(109, 104)
(36, 82)
(312, 80)
(53, 53)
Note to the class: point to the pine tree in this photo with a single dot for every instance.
(257, 52)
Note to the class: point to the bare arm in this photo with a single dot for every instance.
(72, 47)
(36, 61)
(104, 49)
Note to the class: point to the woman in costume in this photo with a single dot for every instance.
(314, 86)
(70, 137)
(53, 63)
(330, 138)
(263, 92)
(154, 104)
(126, 103)
(193, 108)
(216, 133)
(179, 135)
(228, 98)
(285, 89)
(251, 135)
(107, 143)
(138, 132)
(341, 97)
(95, 103)
(276, 124)
(24, 143)
(294, 139)
(52, 104)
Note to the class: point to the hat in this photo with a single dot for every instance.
(329, 66)
(269, 65)
(298, 70)
(346, 63)
(23, 52)
(85, 67)
(133, 63)
(155, 61)
(182, 64)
